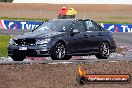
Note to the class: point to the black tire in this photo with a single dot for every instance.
(104, 51)
(59, 52)
(67, 57)
(18, 57)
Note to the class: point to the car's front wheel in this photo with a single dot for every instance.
(104, 51)
(59, 52)
(18, 57)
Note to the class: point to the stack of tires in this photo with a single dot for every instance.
(67, 13)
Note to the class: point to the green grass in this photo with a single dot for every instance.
(23, 19)
(107, 22)
(4, 40)
(120, 50)
(120, 17)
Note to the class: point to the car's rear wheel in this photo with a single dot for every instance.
(18, 57)
(104, 51)
(59, 52)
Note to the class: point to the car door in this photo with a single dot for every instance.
(94, 33)
(77, 43)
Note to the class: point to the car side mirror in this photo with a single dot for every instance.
(75, 31)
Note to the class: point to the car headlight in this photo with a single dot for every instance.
(11, 41)
(42, 41)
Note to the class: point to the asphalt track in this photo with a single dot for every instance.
(13, 32)
(123, 39)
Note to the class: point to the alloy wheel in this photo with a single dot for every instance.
(105, 49)
(60, 51)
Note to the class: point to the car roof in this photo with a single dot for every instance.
(67, 19)
(62, 20)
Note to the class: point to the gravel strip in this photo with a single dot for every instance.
(40, 75)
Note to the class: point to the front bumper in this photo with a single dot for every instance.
(32, 51)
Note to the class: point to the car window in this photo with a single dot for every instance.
(92, 26)
(79, 25)
(60, 26)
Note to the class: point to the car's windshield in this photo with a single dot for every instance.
(60, 26)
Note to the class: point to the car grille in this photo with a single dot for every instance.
(25, 42)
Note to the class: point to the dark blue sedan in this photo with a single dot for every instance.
(63, 38)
